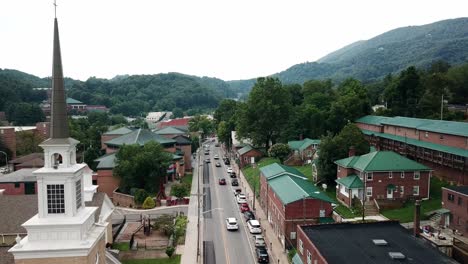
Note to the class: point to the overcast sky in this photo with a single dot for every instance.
(226, 39)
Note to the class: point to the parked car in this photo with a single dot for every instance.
(234, 182)
(254, 227)
(233, 175)
(207, 152)
(259, 241)
(229, 170)
(222, 181)
(241, 198)
(249, 215)
(207, 160)
(227, 162)
(262, 255)
(231, 224)
(237, 191)
(218, 164)
(244, 207)
(216, 157)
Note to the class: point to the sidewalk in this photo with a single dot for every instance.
(276, 249)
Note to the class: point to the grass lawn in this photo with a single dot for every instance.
(187, 178)
(406, 213)
(122, 246)
(306, 170)
(174, 260)
(253, 174)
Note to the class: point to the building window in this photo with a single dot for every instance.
(402, 174)
(402, 190)
(426, 134)
(390, 174)
(78, 194)
(301, 247)
(293, 235)
(369, 176)
(441, 136)
(17, 184)
(417, 175)
(415, 190)
(450, 197)
(369, 191)
(309, 257)
(460, 201)
(55, 199)
(339, 169)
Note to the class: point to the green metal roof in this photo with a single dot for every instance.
(119, 131)
(275, 169)
(141, 137)
(289, 188)
(73, 101)
(351, 182)
(169, 131)
(347, 162)
(418, 143)
(245, 149)
(372, 120)
(302, 144)
(296, 259)
(182, 140)
(383, 161)
(439, 126)
(106, 161)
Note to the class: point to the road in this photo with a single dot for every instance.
(220, 245)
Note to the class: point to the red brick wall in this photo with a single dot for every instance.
(341, 197)
(402, 131)
(309, 207)
(43, 129)
(370, 127)
(187, 149)
(107, 182)
(11, 190)
(342, 172)
(308, 246)
(446, 140)
(459, 212)
(245, 159)
(8, 136)
(381, 180)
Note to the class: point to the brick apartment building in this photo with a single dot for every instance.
(441, 145)
(289, 199)
(9, 135)
(302, 150)
(455, 200)
(384, 176)
(245, 155)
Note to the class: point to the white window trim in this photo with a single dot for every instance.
(417, 175)
(390, 175)
(416, 188)
(309, 257)
(367, 191)
(402, 174)
(371, 176)
(301, 247)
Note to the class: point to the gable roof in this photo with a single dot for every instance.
(245, 149)
(22, 175)
(27, 158)
(276, 169)
(302, 144)
(169, 130)
(20, 208)
(182, 140)
(119, 131)
(73, 101)
(175, 122)
(372, 120)
(290, 188)
(106, 162)
(382, 161)
(141, 137)
(351, 182)
(352, 243)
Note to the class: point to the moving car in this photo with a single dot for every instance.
(262, 255)
(218, 164)
(217, 145)
(244, 207)
(234, 182)
(237, 191)
(241, 198)
(216, 157)
(207, 160)
(231, 224)
(259, 241)
(254, 227)
(229, 170)
(226, 161)
(222, 181)
(249, 215)
(232, 175)
(207, 153)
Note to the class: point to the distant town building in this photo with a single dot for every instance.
(455, 202)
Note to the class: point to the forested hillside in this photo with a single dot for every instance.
(390, 52)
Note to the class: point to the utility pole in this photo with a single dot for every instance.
(198, 195)
(442, 107)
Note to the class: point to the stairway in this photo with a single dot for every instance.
(435, 218)
(370, 208)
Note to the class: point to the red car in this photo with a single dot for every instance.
(222, 181)
(244, 207)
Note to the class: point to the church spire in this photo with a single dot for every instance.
(59, 121)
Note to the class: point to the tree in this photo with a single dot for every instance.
(223, 133)
(142, 167)
(280, 151)
(201, 123)
(177, 112)
(27, 143)
(140, 196)
(266, 112)
(170, 251)
(148, 203)
(180, 190)
(333, 148)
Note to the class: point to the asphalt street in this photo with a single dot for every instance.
(220, 245)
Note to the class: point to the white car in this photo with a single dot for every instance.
(241, 198)
(254, 227)
(229, 170)
(259, 241)
(216, 156)
(231, 224)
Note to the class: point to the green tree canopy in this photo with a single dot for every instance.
(280, 151)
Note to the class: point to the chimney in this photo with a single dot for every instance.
(417, 217)
(352, 151)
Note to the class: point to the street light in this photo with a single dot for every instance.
(6, 158)
(198, 194)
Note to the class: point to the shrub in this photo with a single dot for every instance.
(170, 251)
(291, 254)
(148, 203)
(180, 190)
(140, 196)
